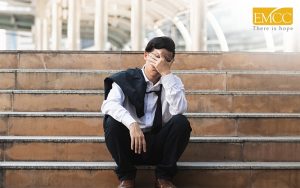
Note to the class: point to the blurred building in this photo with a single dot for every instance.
(195, 25)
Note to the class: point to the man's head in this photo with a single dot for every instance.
(161, 43)
(160, 47)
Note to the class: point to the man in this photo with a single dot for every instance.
(143, 121)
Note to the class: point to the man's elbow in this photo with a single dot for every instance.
(176, 111)
(104, 107)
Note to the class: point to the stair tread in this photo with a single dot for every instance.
(181, 165)
(200, 92)
(195, 115)
(292, 72)
(194, 139)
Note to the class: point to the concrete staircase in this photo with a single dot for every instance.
(244, 109)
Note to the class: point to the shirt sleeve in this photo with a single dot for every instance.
(175, 94)
(113, 106)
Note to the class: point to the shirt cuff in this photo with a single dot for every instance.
(127, 121)
(168, 80)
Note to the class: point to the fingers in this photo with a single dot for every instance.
(153, 64)
(160, 63)
(152, 59)
(132, 143)
(157, 60)
(140, 146)
(144, 145)
(138, 143)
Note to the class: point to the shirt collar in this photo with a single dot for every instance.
(147, 80)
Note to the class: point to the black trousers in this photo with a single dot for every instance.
(163, 149)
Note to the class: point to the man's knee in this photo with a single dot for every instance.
(112, 126)
(181, 123)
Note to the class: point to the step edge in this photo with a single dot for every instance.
(187, 92)
(190, 115)
(259, 72)
(101, 139)
(61, 91)
(181, 165)
(119, 52)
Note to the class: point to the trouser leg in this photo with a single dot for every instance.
(171, 141)
(117, 139)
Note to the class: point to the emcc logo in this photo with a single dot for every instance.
(272, 16)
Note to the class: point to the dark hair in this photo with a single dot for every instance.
(160, 43)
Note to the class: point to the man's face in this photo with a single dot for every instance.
(159, 53)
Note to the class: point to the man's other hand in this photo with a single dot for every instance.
(138, 142)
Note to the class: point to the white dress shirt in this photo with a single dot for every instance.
(173, 101)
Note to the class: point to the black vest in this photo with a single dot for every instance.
(133, 85)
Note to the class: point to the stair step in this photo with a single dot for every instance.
(7, 80)
(187, 92)
(48, 125)
(62, 92)
(197, 102)
(191, 178)
(209, 175)
(178, 72)
(8, 60)
(208, 80)
(100, 139)
(38, 79)
(32, 148)
(203, 124)
(181, 165)
(116, 60)
(193, 115)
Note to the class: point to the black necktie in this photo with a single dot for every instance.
(157, 122)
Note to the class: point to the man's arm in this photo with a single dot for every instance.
(113, 107)
(174, 89)
(175, 95)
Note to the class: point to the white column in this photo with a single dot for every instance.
(45, 43)
(101, 24)
(56, 24)
(3, 39)
(137, 24)
(41, 33)
(40, 29)
(73, 40)
(40, 15)
(38, 24)
(198, 24)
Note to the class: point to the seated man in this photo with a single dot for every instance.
(143, 121)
